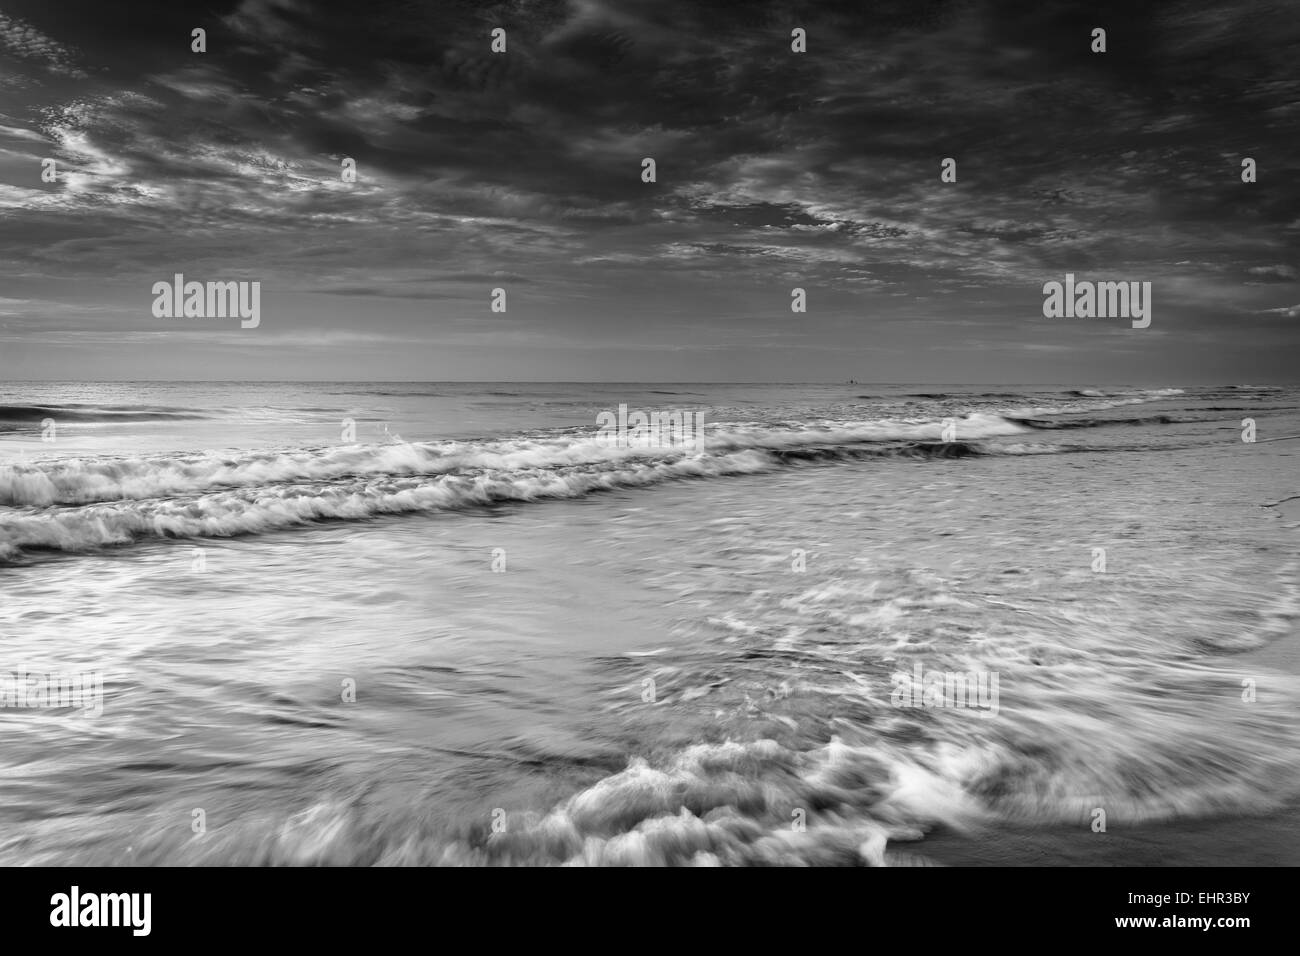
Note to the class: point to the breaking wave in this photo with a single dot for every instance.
(81, 504)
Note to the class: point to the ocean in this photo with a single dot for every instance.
(444, 624)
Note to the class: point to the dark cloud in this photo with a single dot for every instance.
(820, 168)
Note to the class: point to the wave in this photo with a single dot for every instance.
(82, 481)
(76, 505)
(1146, 392)
(76, 412)
(817, 788)
(959, 395)
(1073, 401)
(732, 804)
(84, 504)
(1071, 408)
(256, 509)
(388, 393)
(1054, 424)
(867, 778)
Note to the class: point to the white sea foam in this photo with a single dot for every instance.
(85, 480)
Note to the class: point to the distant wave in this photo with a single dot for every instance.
(1254, 409)
(1067, 402)
(1145, 392)
(947, 395)
(35, 414)
(1074, 407)
(1053, 424)
(390, 393)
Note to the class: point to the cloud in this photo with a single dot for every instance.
(1290, 311)
(25, 41)
(524, 169)
(1276, 271)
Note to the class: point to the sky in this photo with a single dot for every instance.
(775, 170)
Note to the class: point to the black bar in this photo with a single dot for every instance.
(942, 906)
